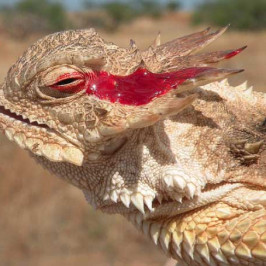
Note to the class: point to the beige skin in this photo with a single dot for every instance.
(188, 168)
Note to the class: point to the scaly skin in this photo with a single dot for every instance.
(187, 168)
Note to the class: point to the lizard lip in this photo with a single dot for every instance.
(20, 118)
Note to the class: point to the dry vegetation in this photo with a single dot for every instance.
(45, 221)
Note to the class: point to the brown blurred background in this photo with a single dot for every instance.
(44, 221)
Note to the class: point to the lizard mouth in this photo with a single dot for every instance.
(18, 117)
(36, 137)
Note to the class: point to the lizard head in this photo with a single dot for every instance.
(72, 97)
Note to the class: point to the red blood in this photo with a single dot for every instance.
(138, 88)
(235, 52)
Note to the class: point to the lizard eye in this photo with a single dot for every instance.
(61, 85)
(66, 81)
(69, 82)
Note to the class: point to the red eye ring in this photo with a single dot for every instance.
(69, 82)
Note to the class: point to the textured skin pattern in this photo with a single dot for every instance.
(187, 168)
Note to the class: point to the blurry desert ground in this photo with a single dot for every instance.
(44, 221)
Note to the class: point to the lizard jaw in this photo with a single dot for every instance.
(37, 137)
(19, 117)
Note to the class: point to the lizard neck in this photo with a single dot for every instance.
(135, 167)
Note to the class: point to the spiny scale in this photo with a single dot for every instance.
(182, 240)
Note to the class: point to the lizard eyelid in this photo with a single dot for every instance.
(69, 82)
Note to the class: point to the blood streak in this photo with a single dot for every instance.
(235, 52)
(138, 88)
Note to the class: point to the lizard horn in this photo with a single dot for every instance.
(157, 110)
(157, 41)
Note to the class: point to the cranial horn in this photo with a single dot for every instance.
(199, 60)
(188, 44)
(157, 41)
(159, 109)
(132, 45)
(205, 77)
(183, 46)
(171, 106)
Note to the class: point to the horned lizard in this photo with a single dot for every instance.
(142, 135)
